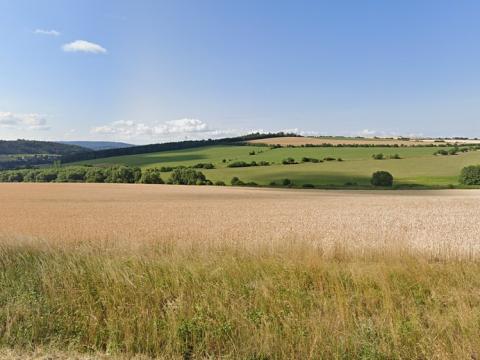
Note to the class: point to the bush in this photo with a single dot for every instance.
(289, 161)
(328, 158)
(151, 176)
(394, 156)
(378, 156)
(95, 175)
(72, 174)
(203, 166)
(30, 176)
(287, 182)
(15, 176)
(312, 160)
(235, 181)
(453, 151)
(122, 174)
(239, 164)
(308, 186)
(219, 183)
(470, 175)
(183, 176)
(47, 175)
(382, 178)
(441, 152)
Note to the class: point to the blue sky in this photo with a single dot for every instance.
(148, 71)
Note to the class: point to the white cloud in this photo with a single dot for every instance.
(168, 130)
(84, 46)
(181, 126)
(23, 121)
(47, 32)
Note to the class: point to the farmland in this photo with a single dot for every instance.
(193, 272)
(417, 166)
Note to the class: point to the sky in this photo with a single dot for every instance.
(153, 71)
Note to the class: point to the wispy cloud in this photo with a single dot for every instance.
(168, 130)
(84, 46)
(16, 121)
(47, 32)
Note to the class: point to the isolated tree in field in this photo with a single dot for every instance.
(470, 175)
(382, 178)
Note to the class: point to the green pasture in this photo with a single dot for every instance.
(417, 166)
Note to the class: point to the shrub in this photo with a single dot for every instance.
(441, 152)
(234, 180)
(47, 175)
(287, 182)
(219, 183)
(15, 176)
(470, 175)
(339, 159)
(95, 175)
(166, 169)
(312, 160)
(272, 183)
(328, 158)
(121, 174)
(30, 176)
(453, 151)
(394, 156)
(378, 156)
(151, 176)
(203, 166)
(308, 186)
(183, 176)
(289, 161)
(71, 174)
(239, 164)
(382, 178)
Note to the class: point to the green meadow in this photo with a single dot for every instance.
(417, 166)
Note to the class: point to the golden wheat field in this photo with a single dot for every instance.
(300, 140)
(436, 223)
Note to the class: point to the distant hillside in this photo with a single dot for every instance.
(98, 145)
(143, 149)
(21, 146)
(27, 153)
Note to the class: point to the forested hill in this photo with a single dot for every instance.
(39, 147)
(98, 145)
(143, 149)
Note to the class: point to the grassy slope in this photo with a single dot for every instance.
(417, 166)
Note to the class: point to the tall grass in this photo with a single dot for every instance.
(196, 302)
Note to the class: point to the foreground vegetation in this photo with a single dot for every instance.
(235, 304)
